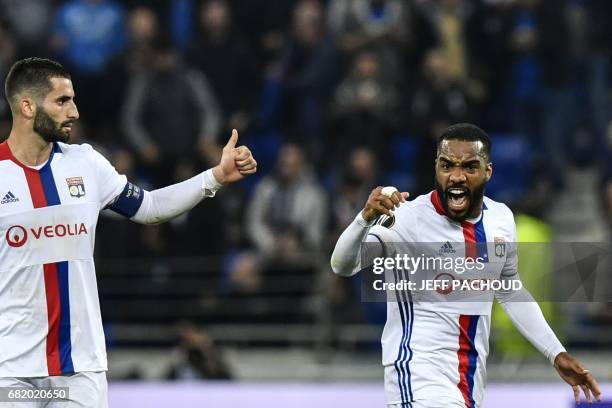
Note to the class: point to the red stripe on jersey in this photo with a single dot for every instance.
(36, 188)
(463, 356)
(53, 315)
(437, 203)
(469, 236)
(52, 292)
(5, 152)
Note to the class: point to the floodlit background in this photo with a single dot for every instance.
(333, 97)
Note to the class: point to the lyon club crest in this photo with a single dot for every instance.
(76, 187)
(500, 247)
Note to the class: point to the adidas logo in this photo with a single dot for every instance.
(9, 198)
(447, 248)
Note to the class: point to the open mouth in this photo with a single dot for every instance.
(458, 198)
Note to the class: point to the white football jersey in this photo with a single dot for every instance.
(50, 321)
(434, 349)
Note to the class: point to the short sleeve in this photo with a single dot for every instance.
(109, 182)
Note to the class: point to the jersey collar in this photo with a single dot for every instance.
(6, 154)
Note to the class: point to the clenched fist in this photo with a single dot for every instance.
(379, 203)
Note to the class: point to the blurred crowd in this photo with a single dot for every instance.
(334, 97)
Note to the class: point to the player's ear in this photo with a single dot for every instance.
(488, 171)
(27, 107)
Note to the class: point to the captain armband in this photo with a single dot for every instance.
(129, 201)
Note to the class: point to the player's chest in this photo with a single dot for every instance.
(487, 229)
(486, 242)
(25, 189)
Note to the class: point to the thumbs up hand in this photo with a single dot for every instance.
(236, 162)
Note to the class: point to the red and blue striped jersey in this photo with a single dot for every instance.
(433, 348)
(50, 321)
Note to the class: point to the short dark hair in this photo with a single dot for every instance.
(32, 74)
(466, 132)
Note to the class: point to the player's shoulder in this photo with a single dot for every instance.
(73, 149)
(498, 208)
(404, 223)
(83, 150)
(417, 207)
(406, 209)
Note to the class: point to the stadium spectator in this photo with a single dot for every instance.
(143, 31)
(7, 54)
(85, 36)
(244, 273)
(197, 356)
(265, 25)
(137, 57)
(448, 21)
(304, 75)
(381, 25)
(170, 111)
(287, 214)
(366, 105)
(437, 101)
(488, 30)
(439, 96)
(233, 72)
(449, 27)
(538, 41)
(588, 103)
(88, 33)
(29, 21)
(358, 178)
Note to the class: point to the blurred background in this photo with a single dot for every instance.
(334, 98)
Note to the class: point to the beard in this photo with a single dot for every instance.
(50, 130)
(475, 196)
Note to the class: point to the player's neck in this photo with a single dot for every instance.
(28, 147)
(475, 214)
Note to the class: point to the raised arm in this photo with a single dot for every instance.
(157, 206)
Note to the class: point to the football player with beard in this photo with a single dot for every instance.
(51, 331)
(434, 352)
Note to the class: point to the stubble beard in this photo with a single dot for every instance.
(48, 129)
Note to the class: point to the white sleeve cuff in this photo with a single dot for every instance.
(555, 352)
(210, 185)
(361, 221)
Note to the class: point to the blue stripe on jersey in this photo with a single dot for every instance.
(410, 348)
(400, 355)
(405, 350)
(65, 345)
(407, 303)
(401, 374)
(48, 183)
(129, 201)
(472, 357)
(407, 317)
(481, 239)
